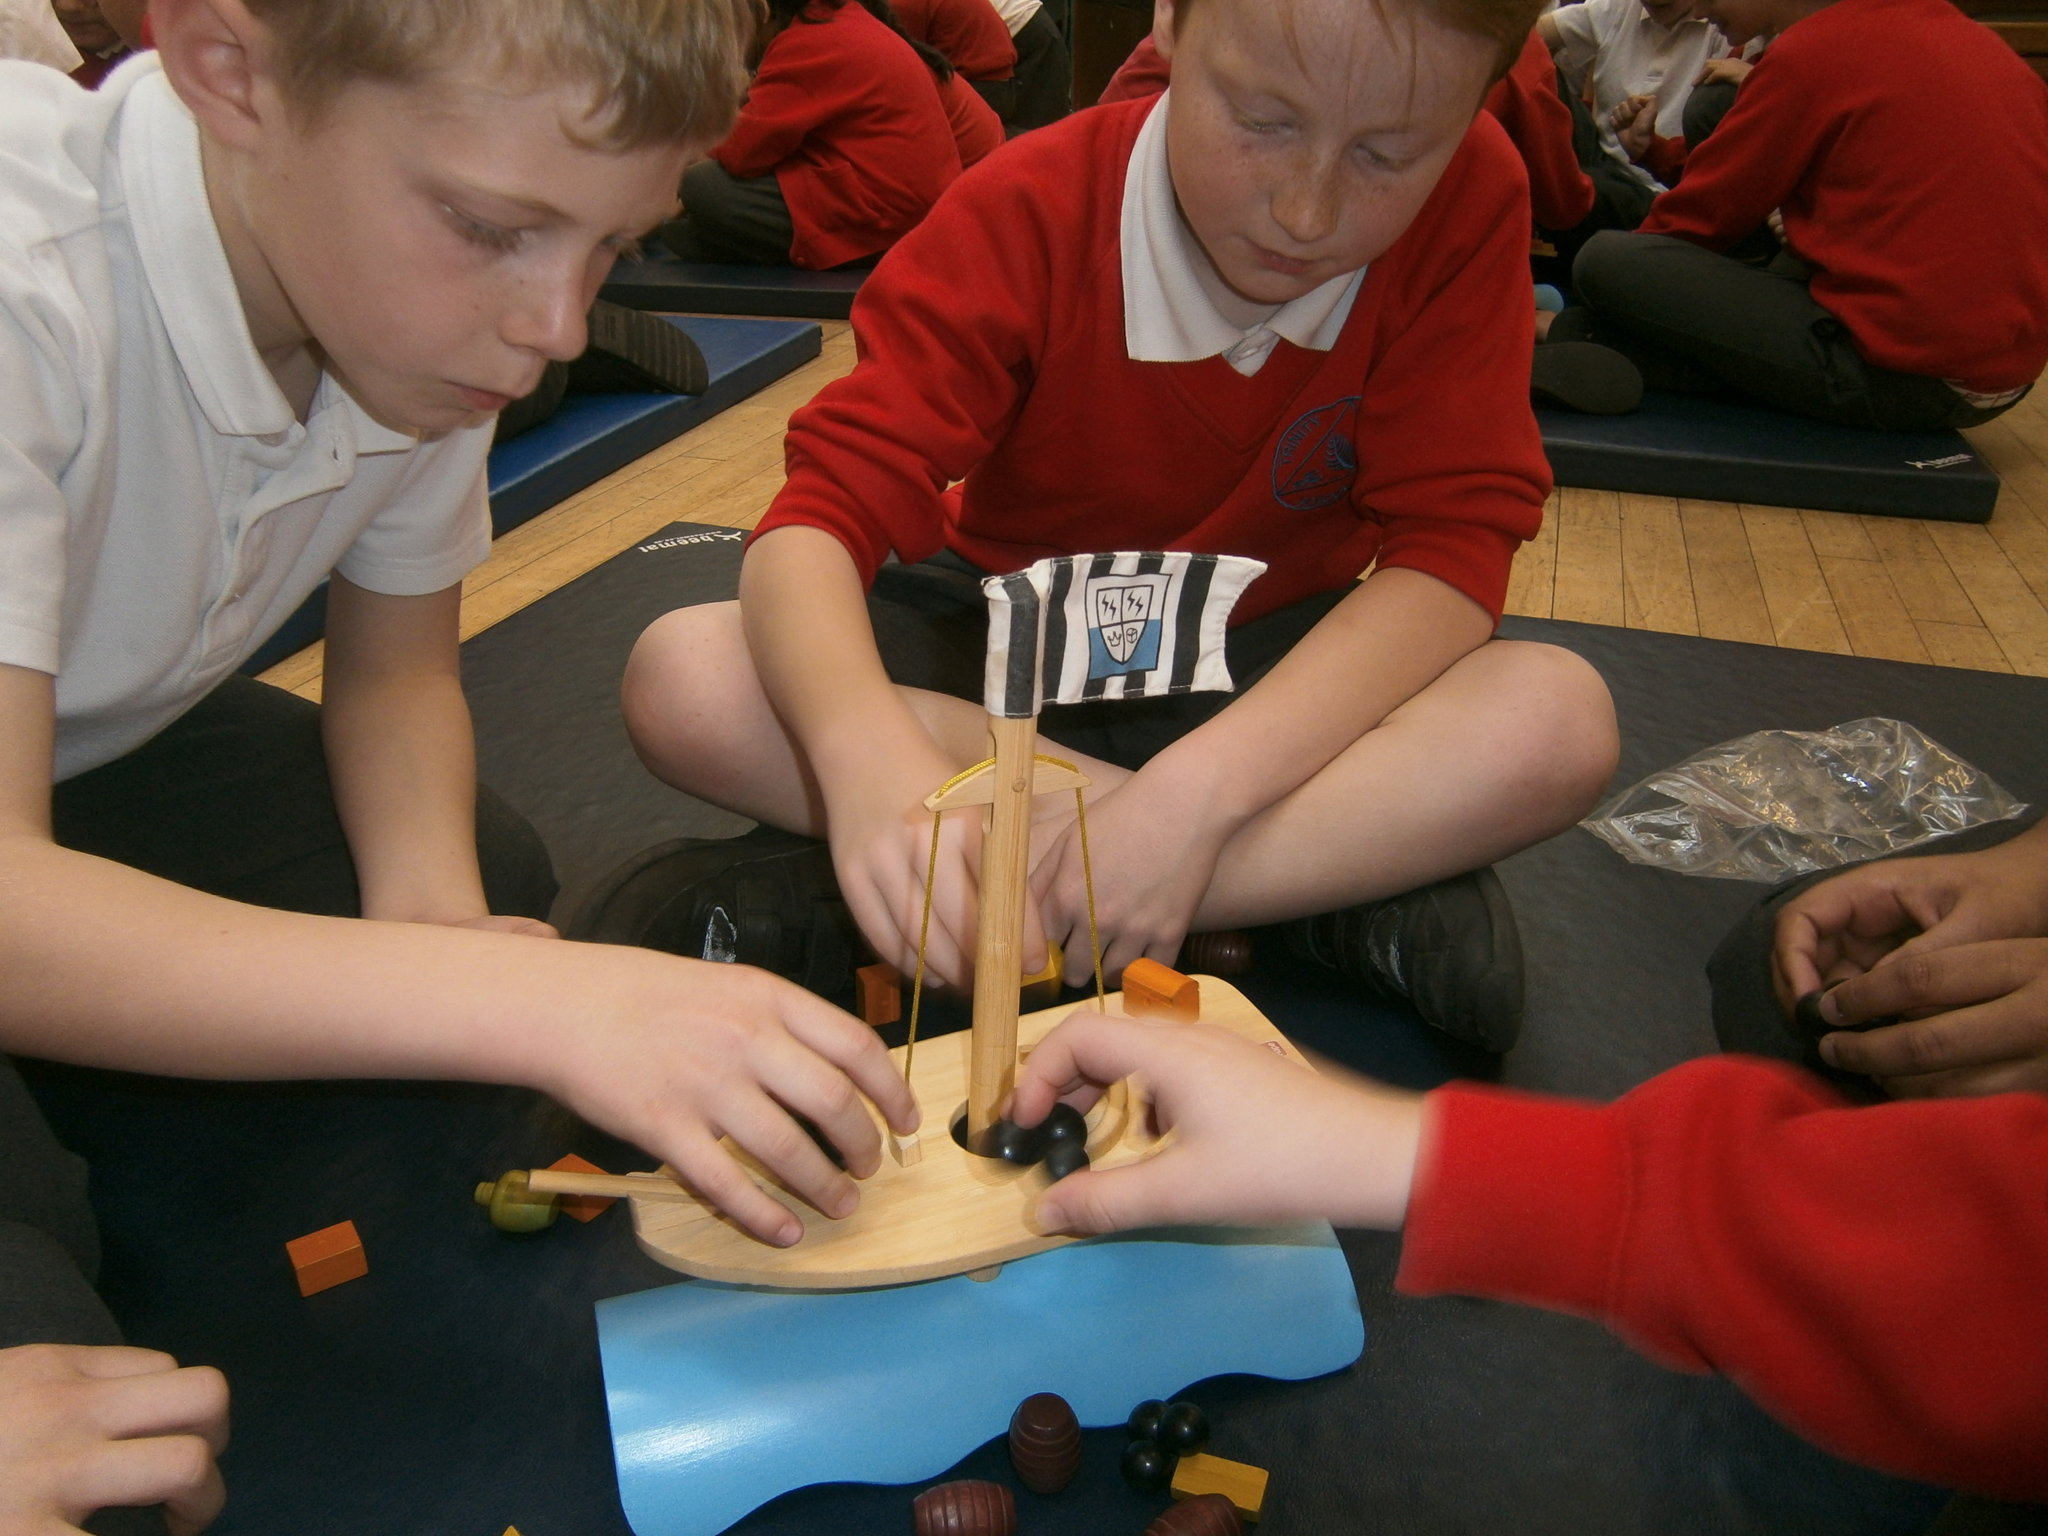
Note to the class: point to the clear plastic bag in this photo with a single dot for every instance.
(1775, 804)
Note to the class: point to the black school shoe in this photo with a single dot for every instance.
(1450, 950)
(768, 898)
(634, 352)
(1584, 376)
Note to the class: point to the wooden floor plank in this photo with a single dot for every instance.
(1728, 596)
(1922, 577)
(1802, 611)
(1961, 645)
(1535, 569)
(1589, 582)
(2011, 611)
(1872, 614)
(1656, 580)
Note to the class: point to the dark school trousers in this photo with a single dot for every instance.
(1699, 322)
(731, 218)
(1044, 79)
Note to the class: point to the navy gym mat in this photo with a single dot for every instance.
(456, 1388)
(593, 435)
(1719, 450)
(660, 281)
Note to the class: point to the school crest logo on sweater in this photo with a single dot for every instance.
(1316, 459)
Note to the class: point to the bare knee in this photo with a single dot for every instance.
(684, 686)
(1567, 741)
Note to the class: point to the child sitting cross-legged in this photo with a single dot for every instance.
(849, 133)
(1283, 312)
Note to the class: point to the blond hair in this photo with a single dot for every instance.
(659, 71)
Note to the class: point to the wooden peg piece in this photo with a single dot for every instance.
(879, 989)
(582, 1207)
(1244, 1486)
(327, 1257)
(1155, 991)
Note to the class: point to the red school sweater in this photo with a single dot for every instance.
(1540, 126)
(1908, 148)
(1874, 1277)
(970, 33)
(977, 131)
(991, 351)
(847, 118)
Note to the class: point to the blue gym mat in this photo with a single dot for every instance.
(1717, 450)
(660, 281)
(593, 435)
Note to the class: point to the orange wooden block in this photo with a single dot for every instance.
(582, 1207)
(1152, 990)
(879, 988)
(327, 1257)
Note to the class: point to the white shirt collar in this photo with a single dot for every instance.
(1171, 313)
(187, 270)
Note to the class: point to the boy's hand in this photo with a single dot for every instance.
(84, 1429)
(1256, 1138)
(1635, 124)
(1886, 911)
(1152, 862)
(1733, 68)
(881, 847)
(673, 1054)
(1977, 1020)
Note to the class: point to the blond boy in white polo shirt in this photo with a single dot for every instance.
(259, 298)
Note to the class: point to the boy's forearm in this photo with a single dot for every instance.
(805, 613)
(1382, 645)
(401, 754)
(108, 966)
(402, 759)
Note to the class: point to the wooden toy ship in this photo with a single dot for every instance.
(1147, 624)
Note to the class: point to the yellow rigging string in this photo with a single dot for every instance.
(931, 868)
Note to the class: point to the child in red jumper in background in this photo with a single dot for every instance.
(844, 144)
(971, 34)
(1282, 311)
(1912, 292)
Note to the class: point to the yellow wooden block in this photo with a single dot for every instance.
(1244, 1486)
(1041, 989)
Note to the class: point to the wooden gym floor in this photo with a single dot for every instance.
(1957, 594)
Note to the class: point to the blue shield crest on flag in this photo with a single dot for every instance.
(1124, 620)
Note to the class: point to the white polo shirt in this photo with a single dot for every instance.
(1630, 55)
(1176, 309)
(162, 511)
(1016, 13)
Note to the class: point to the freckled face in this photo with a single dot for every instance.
(1305, 135)
(440, 241)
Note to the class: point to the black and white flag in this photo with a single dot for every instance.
(1115, 626)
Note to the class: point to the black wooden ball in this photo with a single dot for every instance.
(1064, 1123)
(1012, 1143)
(1183, 1429)
(1143, 1424)
(1146, 1467)
(1063, 1158)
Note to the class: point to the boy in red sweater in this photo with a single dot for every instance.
(1871, 1276)
(843, 144)
(1282, 312)
(1912, 292)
